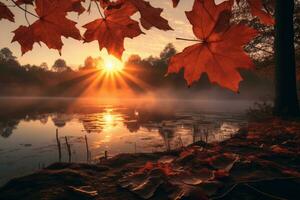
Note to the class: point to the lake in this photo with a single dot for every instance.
(28, 128)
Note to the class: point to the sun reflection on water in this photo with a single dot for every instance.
(108, 118)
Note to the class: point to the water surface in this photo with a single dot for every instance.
(28, 128)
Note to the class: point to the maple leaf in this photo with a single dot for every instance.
(150, 16)
(166, 168)
(5, 13)
(257, 9)
(76, 6)
(20, 2)
(107, 3)
(50, 27)
(175, 3)
(111, 31)
(24, 36)
(219, 52)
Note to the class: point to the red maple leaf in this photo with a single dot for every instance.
(175, 3)
(76, 6)
(105, 4)
(20, 2)
(5, 13)
(113, 29)
(219, 52)
(150, 16)
(257, 9)
(165, 168)
(50, 27)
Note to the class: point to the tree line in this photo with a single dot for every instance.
(63, 80)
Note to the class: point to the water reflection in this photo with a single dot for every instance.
(27, 132)
(7, 127)
(167, 125)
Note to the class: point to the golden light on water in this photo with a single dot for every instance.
(108, 118)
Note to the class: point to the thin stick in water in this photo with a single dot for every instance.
(88, 153)
(58, 146)
(69, 149)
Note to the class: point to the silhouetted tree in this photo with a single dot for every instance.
(91, 63)
(6, 55)
(286, 99)
(60, 65)
(44, 66)
(134, 60)
(168, 52)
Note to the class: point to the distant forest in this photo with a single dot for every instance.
(61, 80)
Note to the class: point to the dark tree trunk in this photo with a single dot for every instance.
(286, 100)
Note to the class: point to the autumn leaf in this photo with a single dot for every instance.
(104, 3)
(20, 2)
(24, 36)
(5, 13)
(107, 4)
(165, 168)
(175, 3)
(257, 9)
(111, 31)
(76, 6)
(280, 150)
(50, 27)
(219, 52)
(150, 16)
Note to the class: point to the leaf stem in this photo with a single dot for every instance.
(25, 10)
(190, 40)
(99, 9)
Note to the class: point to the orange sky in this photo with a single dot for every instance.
(74, 52)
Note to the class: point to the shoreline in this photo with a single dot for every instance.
(261, 161)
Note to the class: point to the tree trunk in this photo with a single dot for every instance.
(286, 99)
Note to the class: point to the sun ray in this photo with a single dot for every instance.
(110, 80)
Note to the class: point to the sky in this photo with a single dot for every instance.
(75, 52)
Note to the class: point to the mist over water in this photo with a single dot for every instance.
(116, 125)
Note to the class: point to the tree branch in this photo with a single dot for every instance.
(25, 10)
(99, 9)
(26, 16)
(261, 49)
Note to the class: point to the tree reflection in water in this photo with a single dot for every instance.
(95, 119)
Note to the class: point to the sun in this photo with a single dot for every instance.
(112, 65)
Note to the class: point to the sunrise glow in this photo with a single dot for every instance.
(112, 65)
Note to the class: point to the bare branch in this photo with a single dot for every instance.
(25, 10)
